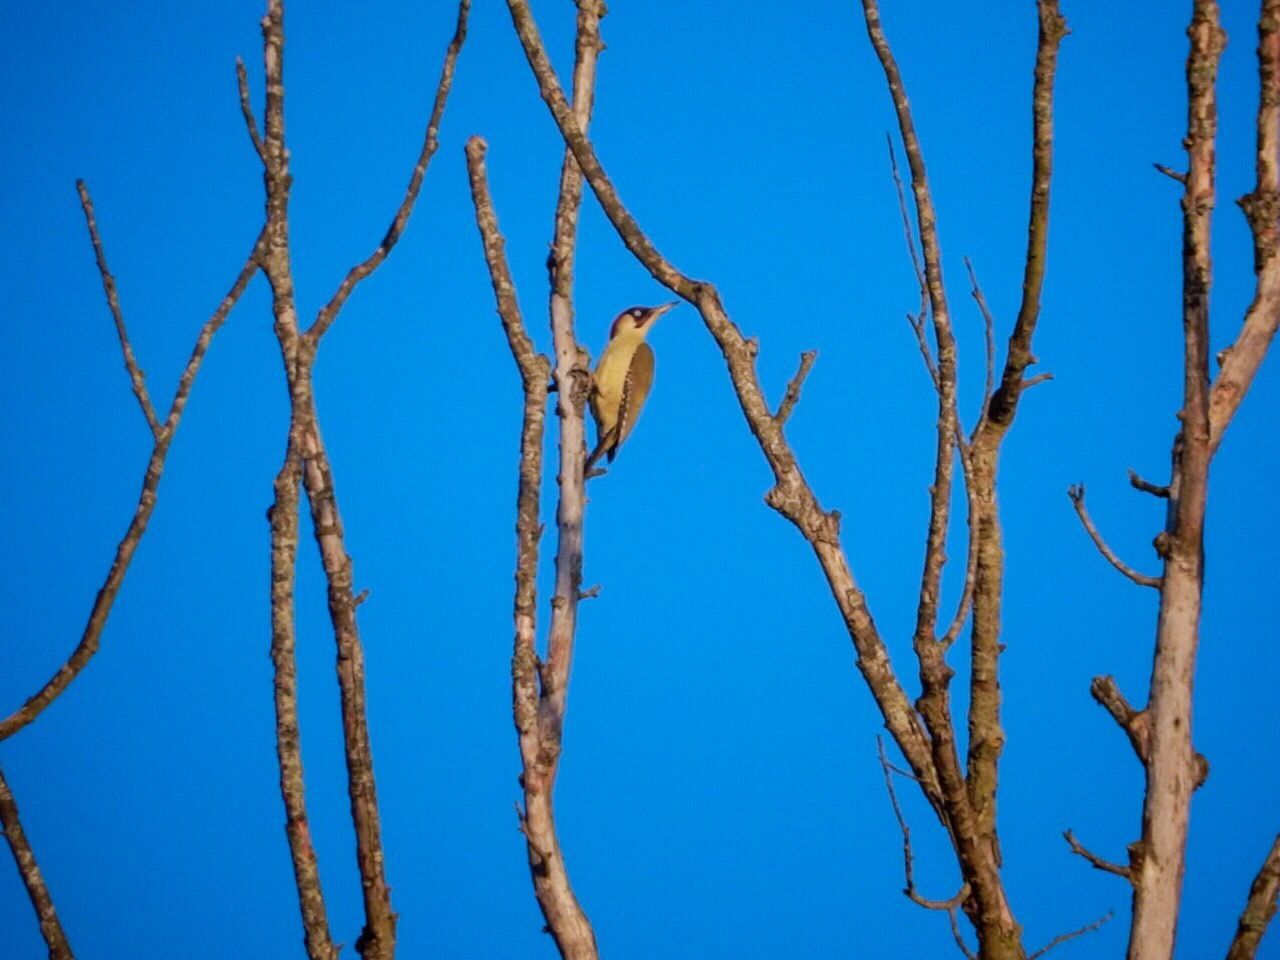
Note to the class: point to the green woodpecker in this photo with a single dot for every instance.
(622, 379)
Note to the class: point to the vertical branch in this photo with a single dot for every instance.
(986, 734)
(307, 459)
(1171, 761)
(284, 556)
(539, 740)
(277, 267)
(50, 927)
(791, 494)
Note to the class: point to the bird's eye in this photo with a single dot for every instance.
(637, 312)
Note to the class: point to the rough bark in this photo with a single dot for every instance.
(1171, 767)
(307, 461)
(965, 804)
(55, 937)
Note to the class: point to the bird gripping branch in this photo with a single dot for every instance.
(622, 379)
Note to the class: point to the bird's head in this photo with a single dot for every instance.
(639, 320)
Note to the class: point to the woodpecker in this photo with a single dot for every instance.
(622, 379)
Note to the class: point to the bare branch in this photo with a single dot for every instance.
(92, 635)
(283, 517)
(908, 857)
(918, 321)
(922, 341)
(1076, 494)
(430, 144)
(986, 735)
(1106, 866)
(971, 559)
(136, 378)
(1133, 722)
(25, 860)
(1259, 908)
(1240, 361)
(540, 739)
(1064, 937)
(989, 331)
(1030, 382)
(930, 275)
(1171, 173)
(792, 396)
(1139, 484)
(958, 937)
(791, 494)
(1053, 27)
(246, 109)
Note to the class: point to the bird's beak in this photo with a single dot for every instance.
(658, 311)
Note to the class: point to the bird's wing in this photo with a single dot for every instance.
(634, 391)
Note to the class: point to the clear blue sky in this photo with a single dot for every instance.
(720, 796)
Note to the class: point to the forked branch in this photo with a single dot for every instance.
(91, 636)
(539, 733)
(791, 494)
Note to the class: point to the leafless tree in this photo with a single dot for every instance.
(1161, 732)
(540, 686)
(963, 794)
(306, 467)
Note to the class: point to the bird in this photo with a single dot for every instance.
(622, 379)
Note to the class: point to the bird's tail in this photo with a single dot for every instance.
(602, 447)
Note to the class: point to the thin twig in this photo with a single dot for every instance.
(1076, 494)
(1106, 866)
(917, 322)
(329, 312)
(1259, 908)
(908, 858)
(959, 937)
(1064, 937)
(92, 634)
(246, 110)
(1172, 174)
(136, 377)
(989, 331)
(792, 395)
(922, 342)
(50, 927)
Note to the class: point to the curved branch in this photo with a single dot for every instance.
(1106, 866)
(1076, 494)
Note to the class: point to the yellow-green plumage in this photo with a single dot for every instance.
(622, 381)
(622, 378)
